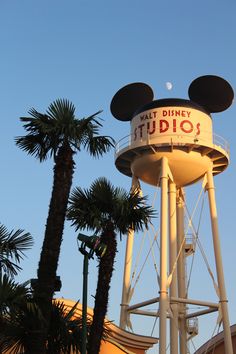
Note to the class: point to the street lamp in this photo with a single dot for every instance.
(89, 245)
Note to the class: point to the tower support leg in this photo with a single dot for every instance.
(163, 255)
(219, 265)
(126, 279)
(181, 272)
(127, 267)
(173, 257)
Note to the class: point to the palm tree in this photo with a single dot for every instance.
(106, 209)
(13, 244)
(60, 134)
(18, 316)
(23, 319)
(12, 247)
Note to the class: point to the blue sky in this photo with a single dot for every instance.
(85, 51)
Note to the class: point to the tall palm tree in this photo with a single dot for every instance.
(60, 134)
(13, 244)
(106, 209)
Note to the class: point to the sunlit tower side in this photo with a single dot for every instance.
(172, 145)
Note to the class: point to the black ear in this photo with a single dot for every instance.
(129, 98)
(211, 92)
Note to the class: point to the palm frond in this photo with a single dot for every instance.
(133, 212)
(11, 294)
(65, 329)
(42, 140)
(14, 243)
(8, 267)
(94, 120)
(12, 247)
(61, 109)
(93, 208)
(82, 211)
(18, 325)
(46, 133)
(98, 145)
(39, 146)
(85, 129)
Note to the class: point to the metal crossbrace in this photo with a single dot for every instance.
(192, 343)
(184, 239)
(153, 256)
(138, 256)
(154, 326)
(137, 260)
(176, 262)
(144, 263)
(195, 240)
(204, 257)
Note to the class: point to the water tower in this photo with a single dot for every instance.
(172, 145)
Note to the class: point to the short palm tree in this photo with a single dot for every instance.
(59, 134)
(107, 210)
(13, 244)
(23, 319)
(18, 316)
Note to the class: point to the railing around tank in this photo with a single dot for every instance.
(218, 140)
(127, 140)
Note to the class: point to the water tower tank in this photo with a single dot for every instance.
(178, 129)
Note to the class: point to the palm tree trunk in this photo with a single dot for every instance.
(106, 267)
(47, 269)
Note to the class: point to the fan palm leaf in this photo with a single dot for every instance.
(11, 294)
(13, 244)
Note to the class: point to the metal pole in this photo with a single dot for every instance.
(181, 272)
(219, 264)
(163, 255)
(126, 279)
(84, 304)
(173, 256)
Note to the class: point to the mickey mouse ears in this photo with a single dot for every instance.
(129, 98)
(211, 92)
